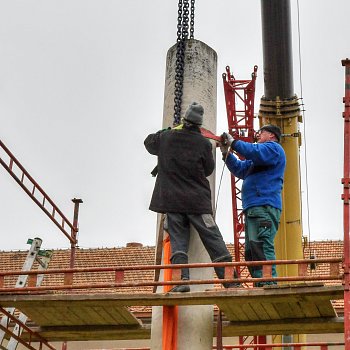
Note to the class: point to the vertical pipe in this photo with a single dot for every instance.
(280, 106)
(76, 202)
(277, 48)
(195, 323)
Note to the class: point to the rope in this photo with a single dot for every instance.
(217, 196)
(304, 131)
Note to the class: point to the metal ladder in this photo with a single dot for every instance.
(43, 258)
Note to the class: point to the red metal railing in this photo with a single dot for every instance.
(33, 336)
(37, 194)
(346, 201)
(119, 275)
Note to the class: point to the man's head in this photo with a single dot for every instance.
(269, 133)
(194, 114)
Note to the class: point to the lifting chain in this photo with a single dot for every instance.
(182, 36)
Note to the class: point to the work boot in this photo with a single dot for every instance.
(263, 284)
(220, 272)
(232, 285)
(181, 288)
(181, 258)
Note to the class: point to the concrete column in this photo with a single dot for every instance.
(195, 327)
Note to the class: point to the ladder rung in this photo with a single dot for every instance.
(41, 202)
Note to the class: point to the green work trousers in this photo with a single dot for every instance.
(261, 225)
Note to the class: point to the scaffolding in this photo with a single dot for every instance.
(309, 310)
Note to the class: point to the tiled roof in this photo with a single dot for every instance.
(101, 257)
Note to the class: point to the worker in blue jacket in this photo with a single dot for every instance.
(262, 172)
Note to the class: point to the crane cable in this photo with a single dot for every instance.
(304, 130)
(219, 187)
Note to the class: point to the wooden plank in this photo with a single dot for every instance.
(89, 315)
(271, 311)
(117, 315)
(239, 305)
(249, 310)
(284, 310)
(68, 316)
(100, 318)
(230, 329)
(46, 316)
(260, 311)
(63, 316)
(238, 295)
(310, 309)
(108, 318)
(326, 309)
(297, 310)
(229, 313)
(291, 326)
(87, 333)
(234, 312)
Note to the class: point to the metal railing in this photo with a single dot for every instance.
(34, 338)
(117, 275)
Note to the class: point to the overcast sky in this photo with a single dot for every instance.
(82, 83)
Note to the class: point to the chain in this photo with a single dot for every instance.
(192, 20)
(182, 36)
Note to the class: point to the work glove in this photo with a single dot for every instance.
(228, 137)
(226, 143)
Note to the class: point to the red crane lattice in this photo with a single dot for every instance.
(239, 97)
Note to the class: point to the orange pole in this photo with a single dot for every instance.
(170, 313)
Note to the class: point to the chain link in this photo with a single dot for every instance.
(192, 20)
(182, 36)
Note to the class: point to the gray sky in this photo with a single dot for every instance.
(81, 85)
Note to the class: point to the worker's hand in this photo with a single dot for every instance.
(229, 139)
(224, 148)
(226, 140)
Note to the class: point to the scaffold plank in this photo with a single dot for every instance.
(248, 311)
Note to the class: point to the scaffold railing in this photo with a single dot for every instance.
(117, 275)
(35, 342)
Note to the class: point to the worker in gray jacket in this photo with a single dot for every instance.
(182, 191)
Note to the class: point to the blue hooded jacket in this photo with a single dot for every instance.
(262, 172)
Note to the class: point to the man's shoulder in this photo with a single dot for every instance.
(273, 144)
